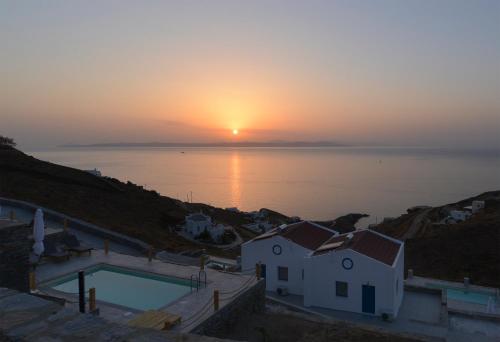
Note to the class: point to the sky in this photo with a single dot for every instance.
(423, 73)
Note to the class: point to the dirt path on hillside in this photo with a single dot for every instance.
(416, 225)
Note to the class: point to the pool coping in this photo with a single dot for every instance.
(44, 286)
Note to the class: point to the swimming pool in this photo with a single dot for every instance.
(468, 296)
(121, 286)
(462, 295)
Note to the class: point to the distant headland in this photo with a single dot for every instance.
(214, 144)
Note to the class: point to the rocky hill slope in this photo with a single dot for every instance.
(452, 251)
(107, 202)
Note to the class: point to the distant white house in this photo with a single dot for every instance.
(358, 272)
(197, 223)
(462, 215)
(477, 206)
(459, 215)
(281, 253)
(259, 215)
(259, 227)
(94, 172)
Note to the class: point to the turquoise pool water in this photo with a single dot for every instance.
(130, 288)
(469, 296)
(464, 296)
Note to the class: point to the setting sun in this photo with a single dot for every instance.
(235, 132)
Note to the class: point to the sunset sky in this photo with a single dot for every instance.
(363, 72)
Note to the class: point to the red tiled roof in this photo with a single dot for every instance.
(366, 242)
(305, 234)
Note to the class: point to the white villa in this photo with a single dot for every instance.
(475, 207)
(197, 223)
(94, 172)
(459, 215)
(361, 272)
(364, 271)
(456, 216)
(281, 252)
(259, 227)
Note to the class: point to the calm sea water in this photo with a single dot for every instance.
(313, 183)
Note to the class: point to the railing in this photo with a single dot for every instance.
(219, 296)
(194, 278)
(204, 274)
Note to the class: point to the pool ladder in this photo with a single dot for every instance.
(197, 280)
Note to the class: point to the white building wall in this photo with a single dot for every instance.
(195, 228)
(216, 231)
(459, 215)
(292, 256)
(477, 206)
(399, 273)
(322, 271)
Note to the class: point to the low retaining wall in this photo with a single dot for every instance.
(80, 225)
(224, 320)
(448, 310)
(476, 315)
(443, 315)
(14, 256)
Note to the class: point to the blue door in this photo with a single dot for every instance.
(369, 299)
(263, 270)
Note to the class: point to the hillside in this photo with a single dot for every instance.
(123, 207)
(470, 248)
(452, 251)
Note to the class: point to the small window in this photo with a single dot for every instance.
(302, 274)
(282, 273)
(341, 289)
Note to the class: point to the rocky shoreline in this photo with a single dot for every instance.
(345, 223)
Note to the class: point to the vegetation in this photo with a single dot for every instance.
(7, 142)
(124, 207)
(441, 251)
(287, 326)
(205, 237)
(228, 237)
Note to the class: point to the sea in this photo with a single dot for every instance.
(319, 183)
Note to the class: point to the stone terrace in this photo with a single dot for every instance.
(25, 317)
(194, 308)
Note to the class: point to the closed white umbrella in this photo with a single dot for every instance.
(38, 232)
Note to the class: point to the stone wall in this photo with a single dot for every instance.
(251, 301)
(15, 250)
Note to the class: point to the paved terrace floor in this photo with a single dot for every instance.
(194, 308)
(420, 314)
(25, 317)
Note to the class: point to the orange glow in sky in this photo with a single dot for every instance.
(181, 71)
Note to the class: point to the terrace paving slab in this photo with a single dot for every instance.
(420, 314)
(41, 320)
(18, 308)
